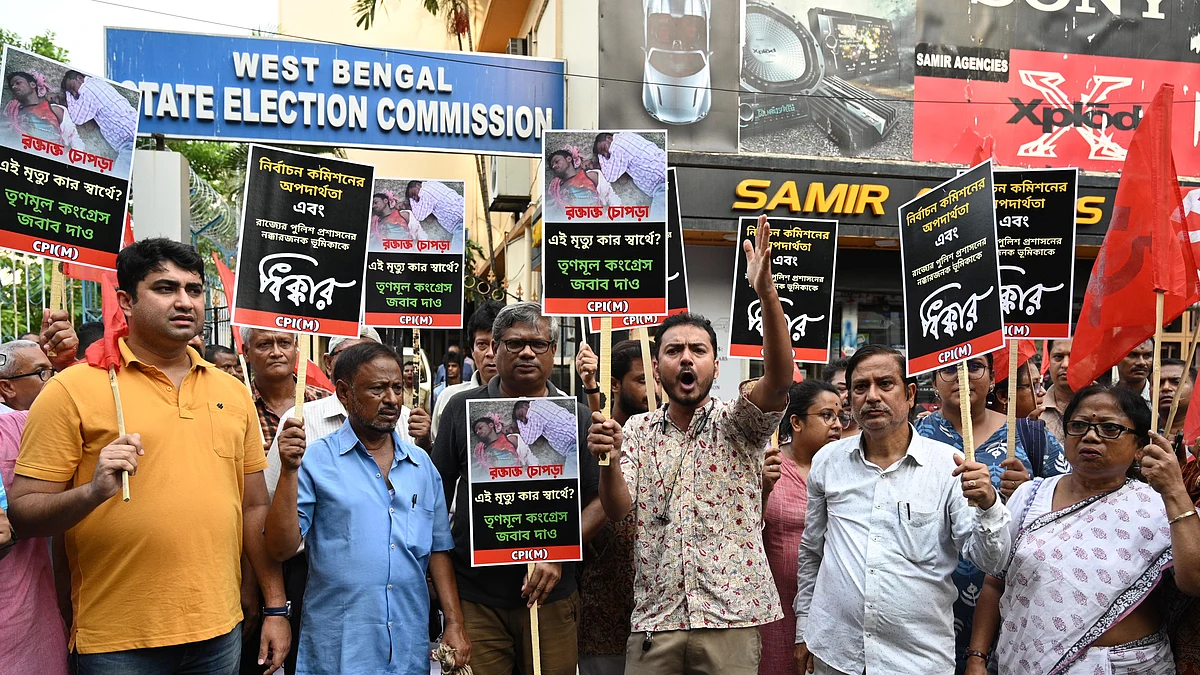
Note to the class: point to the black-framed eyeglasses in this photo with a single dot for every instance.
(1106, 430)
(518, 346)
(43, 374)
(826, 416)
(975, 371)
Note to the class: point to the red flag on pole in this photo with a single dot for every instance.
(85, 273)
(1045, 357)
(1146, 249)
(105, 352)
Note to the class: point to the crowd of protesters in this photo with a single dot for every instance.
(859, 540)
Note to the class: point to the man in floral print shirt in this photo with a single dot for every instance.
(692, 473)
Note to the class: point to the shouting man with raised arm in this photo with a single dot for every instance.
(691, 474)
(889, 513)
(155, 581)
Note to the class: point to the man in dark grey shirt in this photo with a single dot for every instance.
(495, 600)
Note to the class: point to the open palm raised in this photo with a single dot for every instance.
(758, 259)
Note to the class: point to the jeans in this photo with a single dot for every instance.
(215, 656)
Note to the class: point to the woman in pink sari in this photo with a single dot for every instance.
(1089, 550)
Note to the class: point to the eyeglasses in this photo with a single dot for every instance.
(826, 417)
(975, 371)
(43, 374)
(518, 346)
(1106, 430)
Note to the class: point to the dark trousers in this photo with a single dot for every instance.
(295, 575)
(216, 656)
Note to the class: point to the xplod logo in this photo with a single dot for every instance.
(1090, 116)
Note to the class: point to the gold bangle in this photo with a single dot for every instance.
(1181, 516)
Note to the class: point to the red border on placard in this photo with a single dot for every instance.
(594, 322)
(87, 256)
(579, 306)
(504, 556)
(266, 321)
(801, 355)
(1043, 331)
(979, 346)
(392, 320)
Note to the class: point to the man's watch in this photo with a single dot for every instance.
(285, 611)
(594, 390)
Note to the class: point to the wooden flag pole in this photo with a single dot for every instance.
(1159, 297)
(535, 636)
(1187, 368)
(605, 373)
(112, 382)
(1012, 398)
(643, 336)
(305, 343)
(964, 407)
(250, 388)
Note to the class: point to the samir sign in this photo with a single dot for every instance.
(256, 89)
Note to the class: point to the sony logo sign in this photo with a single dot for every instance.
(1084, 7)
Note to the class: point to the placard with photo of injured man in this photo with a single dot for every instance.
(415, 260)
(605, 176)
(66, 156)
(523, 458)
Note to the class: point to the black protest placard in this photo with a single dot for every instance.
(415, 261)
(524, 479)
(1035, 218)
(803, 260)
(303, 243)
(678, 298)
(64, 187)
(607, 269)
(949, 257)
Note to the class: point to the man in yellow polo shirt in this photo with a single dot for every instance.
(155, 581)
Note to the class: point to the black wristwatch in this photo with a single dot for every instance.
(589, 392)
(285, 611)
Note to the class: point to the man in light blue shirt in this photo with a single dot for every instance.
(373, 514)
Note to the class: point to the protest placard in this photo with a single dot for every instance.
(1035, 215)
(65, 185)
(524, 480)
(415, 259)
(803, 260)
(678, 299)
(302, 247)
(949, 258)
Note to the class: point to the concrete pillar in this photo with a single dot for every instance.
(161, 195)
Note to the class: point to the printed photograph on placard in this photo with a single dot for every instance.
(523, 457)
(418, 215)
(610, 269)
(604, 176)
(77, 118)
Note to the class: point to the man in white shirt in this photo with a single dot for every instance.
(628, 152)
(443, 202)
(889, 512)
(91, 99)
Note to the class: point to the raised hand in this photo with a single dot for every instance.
(758, 260)
(291, 444)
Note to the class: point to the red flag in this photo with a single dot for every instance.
(797, 376)
(1026, 349)
(1146, 249)
(1045, 357)
(1191, 425)
(85, 273)
(105, 352)
(227, 286)
(315, 377)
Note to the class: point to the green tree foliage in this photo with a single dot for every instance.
(39, 44)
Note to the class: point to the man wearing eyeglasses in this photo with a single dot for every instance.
(495, 600)
(26, 366)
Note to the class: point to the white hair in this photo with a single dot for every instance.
(523, 312)
(8, 355)
(248, 334)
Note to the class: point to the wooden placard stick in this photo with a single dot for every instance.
(1187, 368)
(1159, 297)
(112, 382)
(964, 406)
(305, 344)
(416, 400)
(643, 336)
(535, 636)
(1012, 398)
(605, 374)
(56, 288)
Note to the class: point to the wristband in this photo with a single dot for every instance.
(1181, 516)
(978, 654)
(595, 390)
(285, 611)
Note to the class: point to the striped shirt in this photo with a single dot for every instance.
(99, 101)
(550, 420)
(645, 162)
(441, 201)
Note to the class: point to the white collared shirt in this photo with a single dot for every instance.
(874, 587)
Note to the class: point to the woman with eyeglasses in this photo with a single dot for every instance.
(990, 432)
(1089, 550)
(809, 423)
